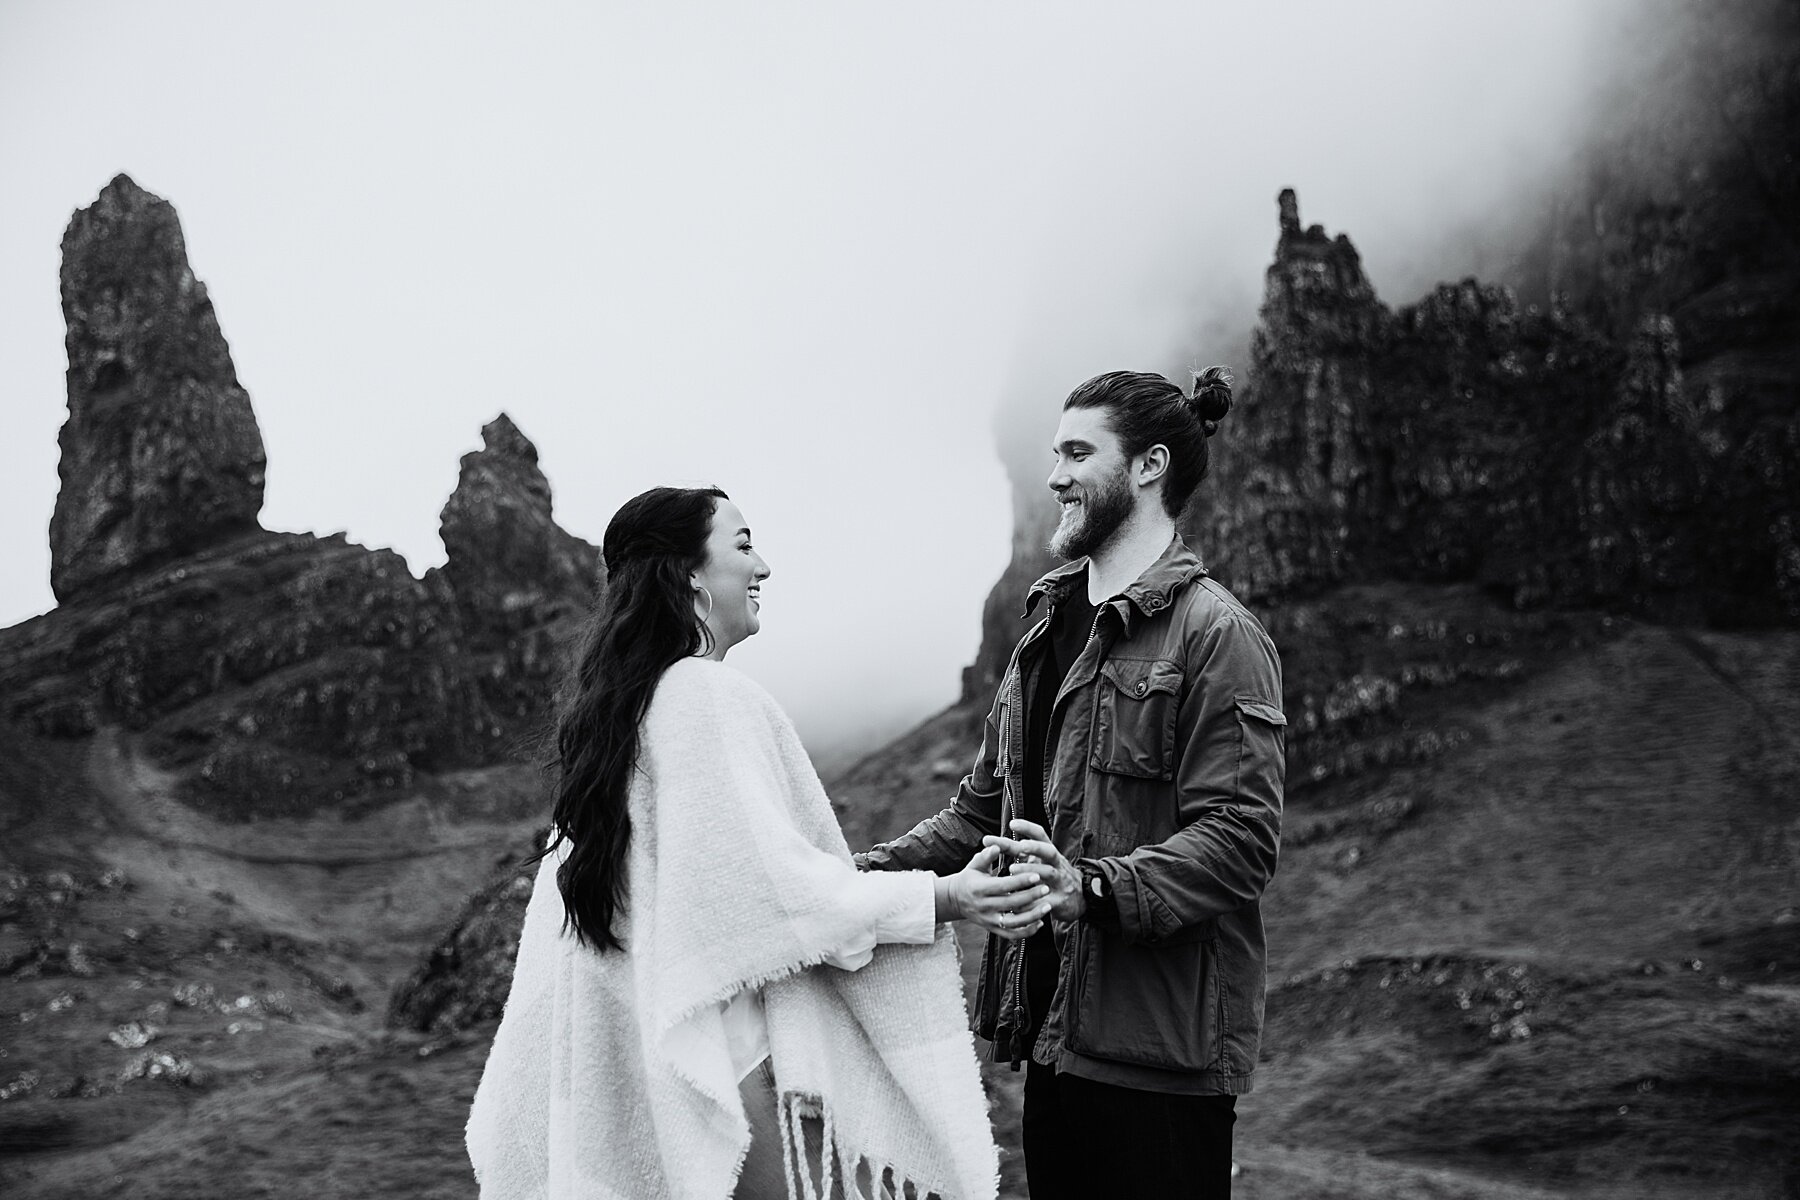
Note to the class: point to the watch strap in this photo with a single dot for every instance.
(1096, 891)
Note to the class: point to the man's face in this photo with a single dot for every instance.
(1092, 481)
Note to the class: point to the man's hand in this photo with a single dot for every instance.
(1011, 905)
(1033, 853)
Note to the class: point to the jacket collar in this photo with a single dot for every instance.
(1149, 594)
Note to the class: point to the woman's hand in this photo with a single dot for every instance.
(1035, 854)
(1011, 905)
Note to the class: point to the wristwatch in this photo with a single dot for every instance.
(1096, 889)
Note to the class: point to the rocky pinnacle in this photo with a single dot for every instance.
(508, 562)
(161, 454)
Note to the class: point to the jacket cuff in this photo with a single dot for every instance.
(1129, 914)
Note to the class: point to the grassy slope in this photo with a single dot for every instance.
(1489, 990)
(261, 954)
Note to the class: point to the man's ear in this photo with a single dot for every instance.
(1152, 465)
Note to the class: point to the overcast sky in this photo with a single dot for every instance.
(799, 250)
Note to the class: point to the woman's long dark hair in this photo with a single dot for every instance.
(644, 623)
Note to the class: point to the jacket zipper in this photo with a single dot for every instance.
(1018, 1051)
(1005, 741)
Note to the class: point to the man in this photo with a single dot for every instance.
(1132, 762)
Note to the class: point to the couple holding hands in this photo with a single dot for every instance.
(714, 998)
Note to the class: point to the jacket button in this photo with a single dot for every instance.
(1142, 687)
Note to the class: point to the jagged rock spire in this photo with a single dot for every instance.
(506, 557)
(161, 454)
(1313, 271)
(1289, 206)
(521, 584)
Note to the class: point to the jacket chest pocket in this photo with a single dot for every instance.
(1135, 705)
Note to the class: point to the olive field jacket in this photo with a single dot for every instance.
(1165, 770)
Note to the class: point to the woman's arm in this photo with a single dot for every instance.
(1013, 906)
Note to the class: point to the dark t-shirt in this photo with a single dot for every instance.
(1070, 623)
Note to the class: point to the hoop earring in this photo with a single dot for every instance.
(701, 588)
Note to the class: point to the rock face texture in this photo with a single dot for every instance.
(1532, 450)
(1444, 441)
(266, 673)
(520, 583)
(1307, 473)
(272, 675)
(1679, 238)
(464, 978)
(161, 455)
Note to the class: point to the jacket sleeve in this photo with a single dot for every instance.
(945, 843)
(1233, 745)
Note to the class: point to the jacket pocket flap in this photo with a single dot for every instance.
(1261, 711)
(1141, 676)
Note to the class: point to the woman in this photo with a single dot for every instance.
(700, 1007)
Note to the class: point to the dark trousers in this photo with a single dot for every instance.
(1086, 1139)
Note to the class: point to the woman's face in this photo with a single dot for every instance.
(732, 574)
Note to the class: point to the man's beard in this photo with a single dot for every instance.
(1087, 526)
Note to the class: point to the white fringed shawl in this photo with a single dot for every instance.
(610, 1074)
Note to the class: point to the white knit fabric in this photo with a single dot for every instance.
(610, 1074)
(747, 1030)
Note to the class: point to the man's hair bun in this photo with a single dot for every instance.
(1212, 397)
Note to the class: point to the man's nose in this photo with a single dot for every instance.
(1059, 478)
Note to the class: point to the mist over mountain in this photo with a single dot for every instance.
(1608, 421)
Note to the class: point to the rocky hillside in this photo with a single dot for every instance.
(245, 775)
(268, 673)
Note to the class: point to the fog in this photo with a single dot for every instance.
(806, 252)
